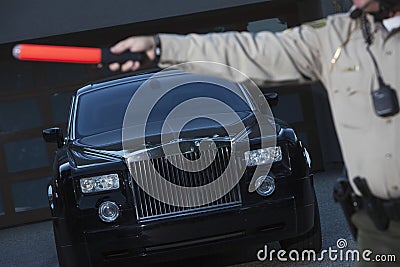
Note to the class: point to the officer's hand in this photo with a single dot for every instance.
(134, 44)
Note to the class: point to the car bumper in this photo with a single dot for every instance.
(194, 235)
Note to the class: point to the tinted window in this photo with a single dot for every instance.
(104, 110)
(196, 90)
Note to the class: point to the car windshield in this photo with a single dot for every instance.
(103, 110)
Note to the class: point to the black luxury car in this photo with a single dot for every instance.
(101, 216)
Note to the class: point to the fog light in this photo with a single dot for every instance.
(108, 211)
(265, 185)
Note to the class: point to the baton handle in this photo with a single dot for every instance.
(107, 57)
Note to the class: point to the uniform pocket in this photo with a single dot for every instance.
(351, 99)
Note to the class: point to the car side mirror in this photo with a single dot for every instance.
(53, 135)
(272, 98)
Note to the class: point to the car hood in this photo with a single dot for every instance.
(108, 146)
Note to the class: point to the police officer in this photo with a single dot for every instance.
(353, 55)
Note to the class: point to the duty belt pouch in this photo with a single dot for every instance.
(349, 202)
(385, 101)
(372, 205)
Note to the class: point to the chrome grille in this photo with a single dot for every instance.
(150, 208)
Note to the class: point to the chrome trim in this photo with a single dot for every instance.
(50, 197)
(148, 208)
(194, 242)
(70, 130)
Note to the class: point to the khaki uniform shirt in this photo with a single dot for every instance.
(334, 54)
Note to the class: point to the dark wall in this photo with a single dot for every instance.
(26, 19)
(34, 96)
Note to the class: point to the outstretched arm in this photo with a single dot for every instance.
(264, 56)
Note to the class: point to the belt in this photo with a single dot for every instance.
(381, 211)
(391, 208)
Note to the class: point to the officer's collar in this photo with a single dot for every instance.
(391, 23)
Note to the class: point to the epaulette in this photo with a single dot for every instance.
(316, 23)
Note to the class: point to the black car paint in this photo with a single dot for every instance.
(84, 240)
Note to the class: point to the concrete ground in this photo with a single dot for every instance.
(33, 245)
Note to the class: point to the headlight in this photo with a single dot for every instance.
(99, 183)
(263, 156)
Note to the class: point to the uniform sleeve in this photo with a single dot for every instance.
(265, 56)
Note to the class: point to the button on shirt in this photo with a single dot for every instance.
(336, 55)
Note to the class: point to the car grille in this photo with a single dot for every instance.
(149, 208)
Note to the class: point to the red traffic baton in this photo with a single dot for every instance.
(73, 54)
